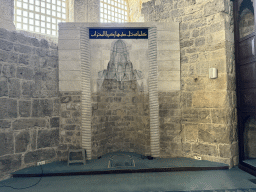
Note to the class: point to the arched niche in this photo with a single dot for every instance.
(246, 18)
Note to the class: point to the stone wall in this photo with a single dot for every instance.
(29, 112)
(6, 17)
(208, 106)
(70, 123)
(120, 119)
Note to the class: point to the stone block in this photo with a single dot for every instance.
(5, 124)
(203, 99)
(168, 45)
(187, 43)
(41, 52)
(200, 41)
(10, 162)
(24, 59)
(44, 44)
(204, 116)
(164, 55)
(35, 42)
(14, 88)
(168, 75)
(22, 48)
(3, 55)
(203, 149)
(56, 107)
(9, 71)
(8, 108)
(28, 123)
(70, 127)
(211, 133)
(69, 65)
(219, 116)
(69, 34)
(3, 33)
(69, 44)
(3, 88)
(225, 151)
(25, 108)
(73, 55)
(168, 86)
(54, 122)
(47, 138)
(5, 45)
(25, 73)
(214, 7)
(22, 139)
(53, 62)
(168, 65)
(39, 155)
(167, 36)
(27, 88)
(191, 132)
(22, 39)
(42, 108)
(6, 143)
(69, 85)
(70, 75)
(66, 114)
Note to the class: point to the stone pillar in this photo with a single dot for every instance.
(6, 16)
(86, 10)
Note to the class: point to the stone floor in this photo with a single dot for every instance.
(215, 180)
(141, 164)
(221, 180)
(251, 162)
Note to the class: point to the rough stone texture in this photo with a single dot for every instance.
(6, 18)
(69, 122)
(204, 123)
(29, 112)
(120, 119)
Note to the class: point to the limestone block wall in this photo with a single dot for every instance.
(6, 17)
(120, 119)
(29, 101)
(70, 123)
(208, 106)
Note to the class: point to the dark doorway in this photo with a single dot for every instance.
(246, 82)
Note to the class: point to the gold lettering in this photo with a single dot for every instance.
(94, 34)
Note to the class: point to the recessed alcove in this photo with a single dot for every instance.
(119, 81)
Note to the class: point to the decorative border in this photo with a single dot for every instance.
(153, 93)
(86, 92)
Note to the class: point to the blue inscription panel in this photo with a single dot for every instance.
(118, 33)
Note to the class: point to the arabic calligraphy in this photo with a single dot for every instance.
(118, 34)
(105, 33)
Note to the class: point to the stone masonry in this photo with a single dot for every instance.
(120, 119)
(205, 124)
(70, 123)
(29, 113)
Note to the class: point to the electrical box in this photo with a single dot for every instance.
(213, 73)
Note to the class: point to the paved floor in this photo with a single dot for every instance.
(228, 180)
(103, 164)
(251, 162)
